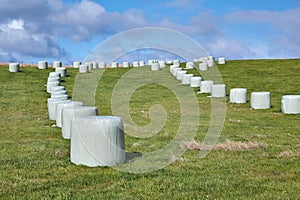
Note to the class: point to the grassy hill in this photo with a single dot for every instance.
(257, 155)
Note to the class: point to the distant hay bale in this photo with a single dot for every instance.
(227, 145)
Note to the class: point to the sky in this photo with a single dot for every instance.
(68, 30)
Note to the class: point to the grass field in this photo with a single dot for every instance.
(257, 155)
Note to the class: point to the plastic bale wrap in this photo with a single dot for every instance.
(206, 86)
(102, 65)
(83, 68)
(180, 74)
(203, 66)
(135, 64)
(196, 81)
(260, 100)
(51, 84)
(114, 65)
(95, 65)
(176, 62)
(60, 107)
(162, 64)
(221, 61)
(42, 65)
(57, 88)
(97, 141)
(218, 90)
(68, 114)
(238, 95)
(155, 66)
(186, 79)
(141, 63)
(126, 64)
(51, 104)
(76, 64)
(57, 64)
(14, 67)
(290, 104)
(175, 70)
(62, 71)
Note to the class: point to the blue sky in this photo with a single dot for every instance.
(68, 30)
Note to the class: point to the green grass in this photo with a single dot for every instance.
(35, 164)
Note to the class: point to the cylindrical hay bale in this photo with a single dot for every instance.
(179, 75)
(221, 61)
(176, 62)
(290, 104)
(95, 65)
(141, 63)
(135, 64)
(203, 59)
(102, 65)
(56, 93)
(238, 95)
(150, 62)
(175, 70)
(54, 74)
(210, 63)
(260, 100)
(169, 62)
(57, 88)
(53, 79)
(51, 84)
(155, 66)
(206, 86)
(196, 60)
(195, 81)
(97, 141)
(186, 79)
(126, 64)
(76, 64)
(42, 65)
(218, 91)
(61, 106)
(211, 58)
(172, 67)
(60, 96)
(114, 65)
(51, 104)
(162, 64)
(57, 64)
(68, 114)
(62, 71)
(203, 66)
(189, 65)
(83, 68)
(14, 67)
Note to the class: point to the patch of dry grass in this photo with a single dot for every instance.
(288, 153)
(227, 145)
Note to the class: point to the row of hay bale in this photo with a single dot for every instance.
(95, 140)
(290, 104)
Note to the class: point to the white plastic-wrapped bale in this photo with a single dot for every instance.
(61, 106)
(172, 67)
(97, 141)
(42, 65)
(53, 79)
(51, 84)
(89, 66)
(210, 63)
(218, 90)
(114, 65)
(60, 96)
(203, 66)
(62, 71)
(189, 65)
(169, 62)
(56, 93)
(290, 104)
(186, 79)
(260, 100)
(180, 74)
(76, 64)
(57, 64)
(14, 67)
(175, 70)
(126, 64)
(141, 63)
(83, 68)
(102, 65)
(57, 88)
(95, 65)
(135, 64)
(196, 60)
(150, 62)
(51, 104)
(162, 64)
(196, 81)
(54, 74)
(176, 62)
(238, 95)
(69, 113)
(155, 66)
(221, 61)
(206, 86)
